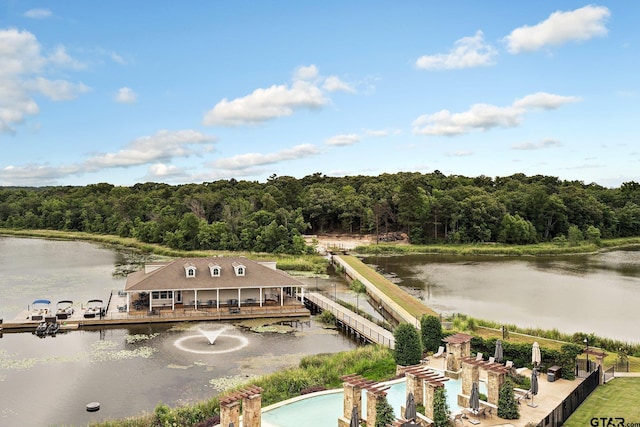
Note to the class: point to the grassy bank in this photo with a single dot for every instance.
(406, 301)
(548, 248)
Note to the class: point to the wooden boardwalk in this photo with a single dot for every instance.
(364, 327)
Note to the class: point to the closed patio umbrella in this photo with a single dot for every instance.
(410, 408)
(355, 417)
(498, 353)
(534, 386)
(474, 399)
(535, 354)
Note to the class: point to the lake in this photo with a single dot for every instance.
(130, 370)
(595, 293)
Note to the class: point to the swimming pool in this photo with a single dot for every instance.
(323, 409)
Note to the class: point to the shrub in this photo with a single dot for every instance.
(507, 405)
(431, 329)
(440, 408)
(384, 412)
(408, 346)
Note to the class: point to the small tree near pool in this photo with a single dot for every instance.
(408, 345)
(431, 329)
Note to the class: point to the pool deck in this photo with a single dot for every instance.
(291, 308)
(550, 395)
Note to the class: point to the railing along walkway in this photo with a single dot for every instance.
(364, 327)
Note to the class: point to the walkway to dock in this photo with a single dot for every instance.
(364, 327)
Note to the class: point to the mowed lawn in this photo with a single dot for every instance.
(619, 398)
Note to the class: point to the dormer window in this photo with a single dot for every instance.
(239, 269)
(215, 270)
(190, 270)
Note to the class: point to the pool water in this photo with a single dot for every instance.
(324, 409)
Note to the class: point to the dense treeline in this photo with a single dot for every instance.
(273, 216)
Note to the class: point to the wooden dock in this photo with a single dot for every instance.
(115, 317)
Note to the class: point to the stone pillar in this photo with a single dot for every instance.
(230, 413)
(494, 382)
(414, 385)
(470, 374)
(372, 400)
(429, 393)
(252, 411)
(454, 354)
(352, 397)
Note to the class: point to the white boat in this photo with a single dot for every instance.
(93, 309)
(40, 309)
(64, 309)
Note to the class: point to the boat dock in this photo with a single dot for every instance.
(115, 315)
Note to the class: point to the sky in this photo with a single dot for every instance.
(125, 92)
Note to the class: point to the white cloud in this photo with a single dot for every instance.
(163, 145)
(57, 90)
(22, 76)
(306, 91)
(61, 58)
(559, 28)
(546, 143)
(306, 73)
(157, 150)
(38, 13)
(334, 84)
(468, 52)
(117, 58)
(486, 116)
(244, 161)
(349, 139)
(378, 132)
(126, 95)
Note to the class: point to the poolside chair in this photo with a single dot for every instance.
(509, 364)
(479, 356)
(492, 359)
(457, 417)
(439, 353)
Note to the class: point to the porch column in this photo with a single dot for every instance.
(218, 299)
(281, 296)
(238, 297)
(302, 292)
(173, 300)
(150, 300)
(260, 297)
(195, 299)
(128, 301)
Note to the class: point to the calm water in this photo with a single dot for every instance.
(128, 370)
(588, 293)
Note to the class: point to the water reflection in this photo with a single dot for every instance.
(587, 293)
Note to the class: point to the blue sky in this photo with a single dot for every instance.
(179, 92)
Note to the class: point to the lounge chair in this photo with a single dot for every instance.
(479, 356)
(492, 359)
(439, 353)
(457, 417)
(509, 364)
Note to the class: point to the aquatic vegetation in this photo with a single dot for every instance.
(174, 366)
(225, 383)
(278, 329)
(131, 339)
(142, 352)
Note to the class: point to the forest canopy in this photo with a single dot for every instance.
(273, 216)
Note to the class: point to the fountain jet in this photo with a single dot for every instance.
(212, 335)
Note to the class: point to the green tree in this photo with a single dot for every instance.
(507, 404)
(441, 411)
(575, 235)
(516, 230)
(408, 346)
(431, 330)
(593, 234)
(384, 412)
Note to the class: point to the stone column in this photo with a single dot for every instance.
(372, 400)
(252, 411)
(230, 413)
(454, 354)
(429, 393)
(599, 364)
(414, 385)
(470, 374)
(494, 382)
(352, 397)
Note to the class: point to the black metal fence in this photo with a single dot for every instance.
(563, 411)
